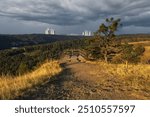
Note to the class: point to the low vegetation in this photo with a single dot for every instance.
(21, 60)
(146, 56)
(11, 87)
(134, 79)
(122, 71)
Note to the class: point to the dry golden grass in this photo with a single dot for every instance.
(122, 71)
(135, 77)
(140, 42)
(146, 56)
(11, 87)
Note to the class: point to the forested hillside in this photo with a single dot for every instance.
(21, 60)
(9, 41)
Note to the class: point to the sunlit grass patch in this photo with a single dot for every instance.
(10, 87)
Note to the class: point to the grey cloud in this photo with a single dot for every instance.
(76, 12)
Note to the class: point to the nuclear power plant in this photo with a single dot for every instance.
(50, 31)
(87, 33)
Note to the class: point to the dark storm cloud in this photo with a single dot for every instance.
(74, 12)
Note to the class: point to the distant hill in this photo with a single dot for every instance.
(9, 41)
(134, 37)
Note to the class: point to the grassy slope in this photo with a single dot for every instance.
(11, 87)
(95, 80)
(134, 79)
(146, 56)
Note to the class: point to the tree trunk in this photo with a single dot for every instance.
(106, 54)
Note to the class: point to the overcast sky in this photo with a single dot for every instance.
(72, 16)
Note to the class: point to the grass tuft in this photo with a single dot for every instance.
(135, 77)
(11, 87)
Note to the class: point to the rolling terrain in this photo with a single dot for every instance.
(27, 73)
(11, 41)
(96, 81)
(12, 86)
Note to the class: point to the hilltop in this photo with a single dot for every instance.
(70, 79)
(93, 80)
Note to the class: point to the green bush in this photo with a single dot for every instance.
(129, 54)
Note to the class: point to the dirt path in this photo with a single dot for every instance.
(76, 81)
